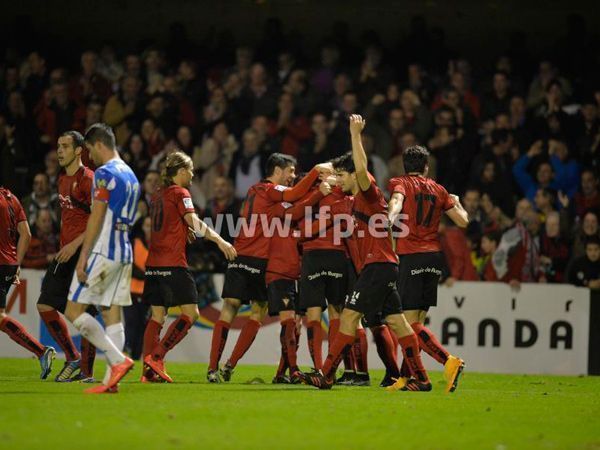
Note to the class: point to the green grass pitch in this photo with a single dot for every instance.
(498, 412)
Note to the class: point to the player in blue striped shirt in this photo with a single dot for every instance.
(103, 273)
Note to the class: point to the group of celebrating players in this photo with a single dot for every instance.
(342, 248)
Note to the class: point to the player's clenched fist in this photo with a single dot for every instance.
(357, 123)
(325, 188)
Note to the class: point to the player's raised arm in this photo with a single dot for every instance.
(359, 156)
(457, 213)
(203, 230)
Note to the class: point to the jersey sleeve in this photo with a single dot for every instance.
(19, 211)
(396, 186)
(447, 201)
(104, 183)
(87, 185)
(274, 192)
(373, 194)
(184, 203)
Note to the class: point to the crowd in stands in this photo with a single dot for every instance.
(518, 141)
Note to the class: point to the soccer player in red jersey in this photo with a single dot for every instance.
(423, 201)
(375, 294)
(14, 240)
(328, 275)
(282, 273)
(75, 197)
(324, 278)
(168, 281)
(245, 277)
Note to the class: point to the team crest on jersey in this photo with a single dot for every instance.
(101, 183)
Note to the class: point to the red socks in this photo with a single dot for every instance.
(19, 334)
(359, 348)
(176, 332)
(283, 365)
(341, 344)
(88, 356)
(288, 343)
(219, 338)
(334, 327)
(151, 336)
(429, 343)
(245, 340)
(314, 336)
(411, 353)
(386, 349)
(57, 327)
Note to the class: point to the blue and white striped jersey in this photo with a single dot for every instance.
(116, 184)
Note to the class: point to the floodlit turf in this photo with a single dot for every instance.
(487, 412)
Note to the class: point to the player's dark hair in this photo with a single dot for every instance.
(175, 161)
(494, 236)
(344, 163)
(279, 160)
(415, 159)
(100, 132)
(77, 137)
(592, 240)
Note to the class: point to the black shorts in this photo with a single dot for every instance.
(282, 296)
(418, 278)
(7, 276)
(375, 294)
(56, 283)
(169, 286)
(324, 278)
(245, 280)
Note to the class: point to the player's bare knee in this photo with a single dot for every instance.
(335, 311)
(191, 311)
(44, 308)
(2, 313)
(74, 310)
(229, 309)
(286, 315)
(313, 314)
(412, 316)
(399, 325)
(349, 321)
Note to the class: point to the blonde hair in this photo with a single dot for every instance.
(175, 161)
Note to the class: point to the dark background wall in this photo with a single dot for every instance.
(479, 29)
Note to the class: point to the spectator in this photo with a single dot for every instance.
(89, 83)
(41, 198)
(44, 242)
(150, 185)
(539, 86)
(588, 196)
(498, 101)
(134, 153)
(554, 250)
(585, 270)
(544, 174)
(136, 315)
(588, 229)
(290, 129)
(224, 204)
(124, 110)
(248, 164)
(457, 254)
(544, 202)
(258, 96)
(516, 259)
(55, 114)
(320, 146)
(52, 169)
(211, 161)
(37, 80)
(495, 219)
